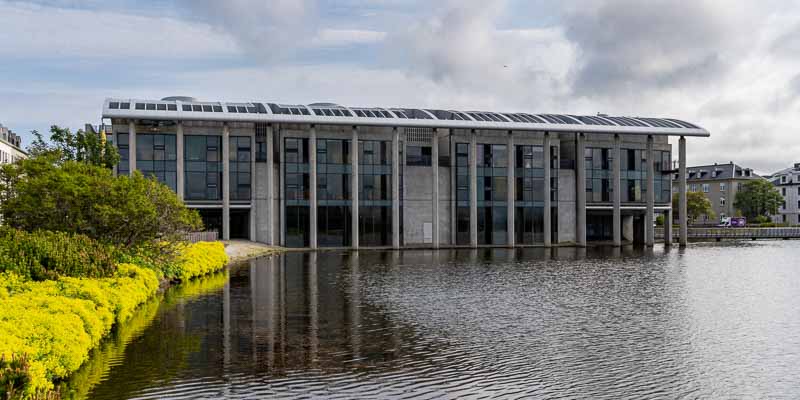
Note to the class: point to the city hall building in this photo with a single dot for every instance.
(326, 175)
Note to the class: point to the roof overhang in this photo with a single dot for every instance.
(269, 117)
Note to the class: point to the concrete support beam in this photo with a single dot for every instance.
(354, 182)
(312, 201)
(580, 190)
(511, 190)
(395, 188)
(668, 227)
(548, 240)
(649, 219)
(270, 191)
(180, 177)
(435, 192)
(617, 195)
(473, 190)
(226, 182)
(253, 183)
(684, 220)
(131, 146)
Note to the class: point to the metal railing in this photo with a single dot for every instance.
(735, 233)
(207, 236)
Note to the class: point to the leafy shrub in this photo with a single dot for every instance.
(200, 259)
(44, 255)
(761, 219)
(660, 220)
(57, 322)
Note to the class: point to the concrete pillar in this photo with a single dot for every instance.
(131, 146)
(312, 179)
(580, 190)
(270, 190)
(395, 188)
(668, 226)
(548, 240)
(511, 190)
(683, 218)
(617, 195)
(253, 208)
(650, 218)
(226, 182)
(282, 187)
(354, 182)
(179, 175)
(473, 190)
(435, 192)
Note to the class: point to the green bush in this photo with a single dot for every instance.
(660, 220)
(761, 219)
(44, 255)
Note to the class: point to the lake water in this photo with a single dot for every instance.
(714, 320)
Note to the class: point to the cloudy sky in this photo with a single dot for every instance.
(732, 67)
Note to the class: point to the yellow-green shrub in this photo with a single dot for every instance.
(56, 323)
(200, 259)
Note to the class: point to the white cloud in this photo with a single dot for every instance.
(38, 32)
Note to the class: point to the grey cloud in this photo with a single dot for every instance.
(626, 45)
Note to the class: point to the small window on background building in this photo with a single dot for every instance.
(706, 188)
(783, 191)
(722, 202)
(722, 187)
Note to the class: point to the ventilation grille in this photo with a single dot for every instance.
(422, 136)
(261, 130)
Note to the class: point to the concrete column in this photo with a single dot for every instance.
(616, 195)
(548, 240)
(435, 192)
(649, 219)
(226, 182)
(580, 190)
(668, 226)
(354, 182)
(511, 190)
(683, 218)
(179, 182)
(282, 187)
(312, 179)
(395, 188)
(473, 190)
(253, 183)
(131, 146)
(270, 190)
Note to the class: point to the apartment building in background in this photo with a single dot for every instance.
(719, 183)
(787, 181)
(10, 146)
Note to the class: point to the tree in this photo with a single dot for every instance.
(48, 193)
(697, 204)
(80, 146)
(758, 198)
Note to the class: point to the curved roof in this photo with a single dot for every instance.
(334, 114)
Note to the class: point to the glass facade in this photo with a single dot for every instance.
(296, 187)
(462, 193)
(375, 193)
(203, 165)
(492, 193)
(156, 155)
(555, 163)
(123, 168)
(529, 204)
(333, 193)
(633, 169)
(598, 174)
(239, 171)
(663, 177)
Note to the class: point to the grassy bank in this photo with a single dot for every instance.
(61, 294)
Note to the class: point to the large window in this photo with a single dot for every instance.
(462, 193)
(202, 155)
(124, 160)
(598, 174)
(529, 204)
(156, 156)
(375, 193)
(296, 189)
(333, 192)
(492, 193)
(239, 160)
(633, 183)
